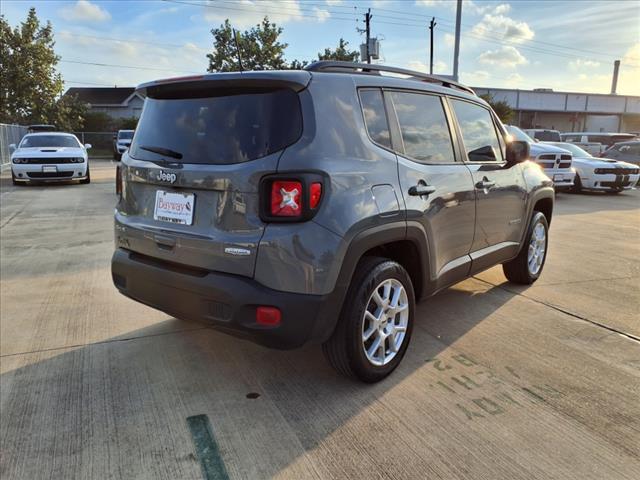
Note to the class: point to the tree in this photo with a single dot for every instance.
(259, 48)
(340, 53)
(502, 108)
(98, 122)
(30, 86)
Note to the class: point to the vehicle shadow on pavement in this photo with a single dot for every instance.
(119, 407)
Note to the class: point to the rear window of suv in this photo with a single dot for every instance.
(221, 130)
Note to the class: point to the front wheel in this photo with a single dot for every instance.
(375, 326)
(527, 266)
(577, 185)
(88, 179)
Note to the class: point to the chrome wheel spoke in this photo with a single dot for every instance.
(385, 321)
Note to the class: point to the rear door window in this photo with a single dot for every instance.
(423, 126)
(375, 117)
(478, 132)
(223, 129)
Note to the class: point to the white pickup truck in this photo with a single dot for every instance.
(555, 161)
(596, 142)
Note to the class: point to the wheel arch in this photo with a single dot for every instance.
(396, 241)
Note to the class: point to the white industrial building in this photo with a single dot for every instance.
(569, 111)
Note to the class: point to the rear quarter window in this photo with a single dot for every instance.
(375, 117)
(222, 129)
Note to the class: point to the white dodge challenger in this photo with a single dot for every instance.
(593, 173)
(49, 157)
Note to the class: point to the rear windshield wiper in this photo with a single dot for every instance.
(162, 151)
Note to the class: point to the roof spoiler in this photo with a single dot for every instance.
(375, 69)
(296, 80)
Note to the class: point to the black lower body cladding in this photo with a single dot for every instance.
(223, 301)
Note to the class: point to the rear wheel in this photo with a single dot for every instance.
(375, 326)
(527, 266)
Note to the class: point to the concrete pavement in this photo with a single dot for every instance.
(499, 381)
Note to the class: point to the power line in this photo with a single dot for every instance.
(124, 40)
(271, 11)
(134, 67)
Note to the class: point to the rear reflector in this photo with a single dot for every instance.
(315, 195)
(286, 198)
(268, 316)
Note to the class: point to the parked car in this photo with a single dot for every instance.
(555, 162)
(596, 142)
(625, 151)
(49, 157)
(319, 205)
(121, 142)
(41, 128)
(594, 173)
(543, 134)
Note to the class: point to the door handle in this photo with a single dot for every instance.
(485, 184)
(421, 189)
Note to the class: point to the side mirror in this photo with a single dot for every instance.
(517, 152)
(87, 146)
(12, 147)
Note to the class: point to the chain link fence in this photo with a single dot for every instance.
(9, 134)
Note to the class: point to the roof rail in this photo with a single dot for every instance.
(375, 69)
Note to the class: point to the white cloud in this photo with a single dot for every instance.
(505, 56)
(439, 67)
(508, 28)
(333, 2)
(247, 13)
(502, 9)
(514, 80)
(85, 11)
(629, 79)
(321, 14)
(475, 78)
(580, 64)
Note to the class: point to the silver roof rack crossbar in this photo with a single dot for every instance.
(375, 69)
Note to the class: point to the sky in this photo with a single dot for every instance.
(563, 45)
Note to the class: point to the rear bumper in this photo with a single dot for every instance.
(223, 301)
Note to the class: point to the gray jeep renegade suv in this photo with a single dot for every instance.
(319, 205)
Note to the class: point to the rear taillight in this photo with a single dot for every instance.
(286, 198)
(315, 195)
(291, 198)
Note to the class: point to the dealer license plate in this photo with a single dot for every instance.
(174, 207)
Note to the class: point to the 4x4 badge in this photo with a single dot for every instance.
(167, 177)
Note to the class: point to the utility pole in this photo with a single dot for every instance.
(367, 19)
(614, 81)
(431, 27)
(456, 51)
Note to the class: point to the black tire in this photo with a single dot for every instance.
(15, 182)
(577, 185)
(345, 349)
(517, 270)
(84, 181)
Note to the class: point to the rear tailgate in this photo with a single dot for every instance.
(191, 176)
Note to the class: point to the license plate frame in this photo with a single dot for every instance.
(174, 207)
